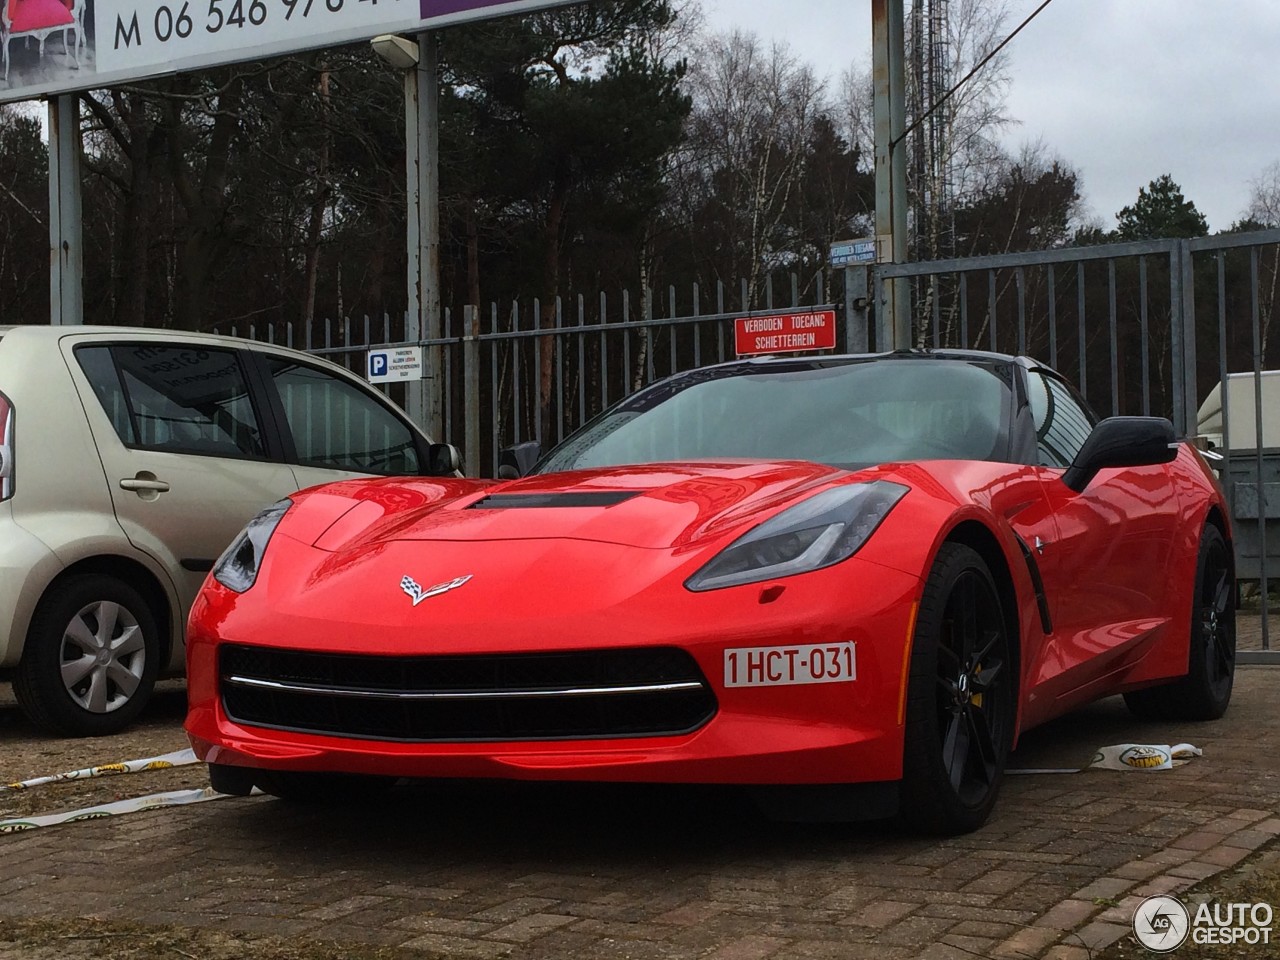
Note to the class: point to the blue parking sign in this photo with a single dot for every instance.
(377, 364)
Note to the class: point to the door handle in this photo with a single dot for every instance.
(143, 485)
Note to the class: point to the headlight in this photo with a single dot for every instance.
(237, 568)
(813, 534)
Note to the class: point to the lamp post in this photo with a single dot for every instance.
(420, 62)
(66, 246)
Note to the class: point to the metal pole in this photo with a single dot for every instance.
(429, 261)
(889, 73)
(471, 389)
(66, 248)
(415, 390)
(856, 302)
(1190, 395)
(422, 146)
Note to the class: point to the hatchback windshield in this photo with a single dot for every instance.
(845, 413)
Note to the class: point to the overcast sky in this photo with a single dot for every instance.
(1122, 90)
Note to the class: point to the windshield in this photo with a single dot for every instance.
(845, 414)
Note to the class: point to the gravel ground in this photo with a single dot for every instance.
(26, 753)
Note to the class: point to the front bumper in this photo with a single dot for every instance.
(797, 733)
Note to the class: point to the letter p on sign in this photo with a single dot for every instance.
(377, 365)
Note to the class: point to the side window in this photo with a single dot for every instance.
(1062, 423)
(337, 424)
(179, 399)
(100, 371)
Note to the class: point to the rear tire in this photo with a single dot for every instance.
(1205, 692)
(91, 657)
(961, 698)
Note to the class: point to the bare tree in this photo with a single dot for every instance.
(968, 159)
(1264, 197)
(1264, 210)
(744, 159)
(856, 107)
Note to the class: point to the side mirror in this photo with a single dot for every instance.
(1122, 442)
(443, 460)
(516, 462)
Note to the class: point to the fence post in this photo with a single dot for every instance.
(471, 389)
(1182, 308)
(1190, 389)
(856, 304)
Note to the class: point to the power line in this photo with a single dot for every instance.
(968, 76)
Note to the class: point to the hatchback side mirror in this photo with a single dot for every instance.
(516, 462)
(1122, 442)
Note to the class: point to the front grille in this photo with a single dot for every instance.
(433, 699)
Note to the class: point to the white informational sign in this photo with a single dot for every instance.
(852, 253)
(395, 365)
(83, 44)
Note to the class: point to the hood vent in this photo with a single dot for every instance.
(528, 501)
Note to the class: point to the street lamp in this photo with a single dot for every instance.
(400, 52)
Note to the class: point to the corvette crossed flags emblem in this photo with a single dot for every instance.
(418, 594)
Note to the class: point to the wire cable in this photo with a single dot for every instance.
(967, 77)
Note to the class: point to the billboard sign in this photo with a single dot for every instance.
(785, 333)
(85, 44)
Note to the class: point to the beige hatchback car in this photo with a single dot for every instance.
(129, 460)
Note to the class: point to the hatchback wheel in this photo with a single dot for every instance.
(90, 661)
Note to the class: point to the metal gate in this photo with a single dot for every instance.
(1150, 328)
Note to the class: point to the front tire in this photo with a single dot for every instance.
(1205, 692)
(320, 788)
(961, 698)
(91, 657)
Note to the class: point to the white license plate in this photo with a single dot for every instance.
(780, 666)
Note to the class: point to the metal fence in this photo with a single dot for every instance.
(1145, 328)
(1149, 328)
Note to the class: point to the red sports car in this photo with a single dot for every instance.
(860, 577)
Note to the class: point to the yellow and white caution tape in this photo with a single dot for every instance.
(179, 758)
(1143, 756)
(172, 798)
(1130, 756)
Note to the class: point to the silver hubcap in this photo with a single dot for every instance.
(103, 656)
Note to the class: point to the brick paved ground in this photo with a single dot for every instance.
(497, 870)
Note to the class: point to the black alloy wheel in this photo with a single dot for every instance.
(961, 705)
(1205, 692)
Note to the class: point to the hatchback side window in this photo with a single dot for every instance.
(100, 370)
(337, 424)
(179, 399)
(1062, 422)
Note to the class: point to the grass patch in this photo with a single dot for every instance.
(1256, 880)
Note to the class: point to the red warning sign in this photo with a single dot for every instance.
(785, 333)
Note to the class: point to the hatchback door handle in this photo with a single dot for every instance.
(140, 485)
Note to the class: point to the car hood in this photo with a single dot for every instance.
(656, 506)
